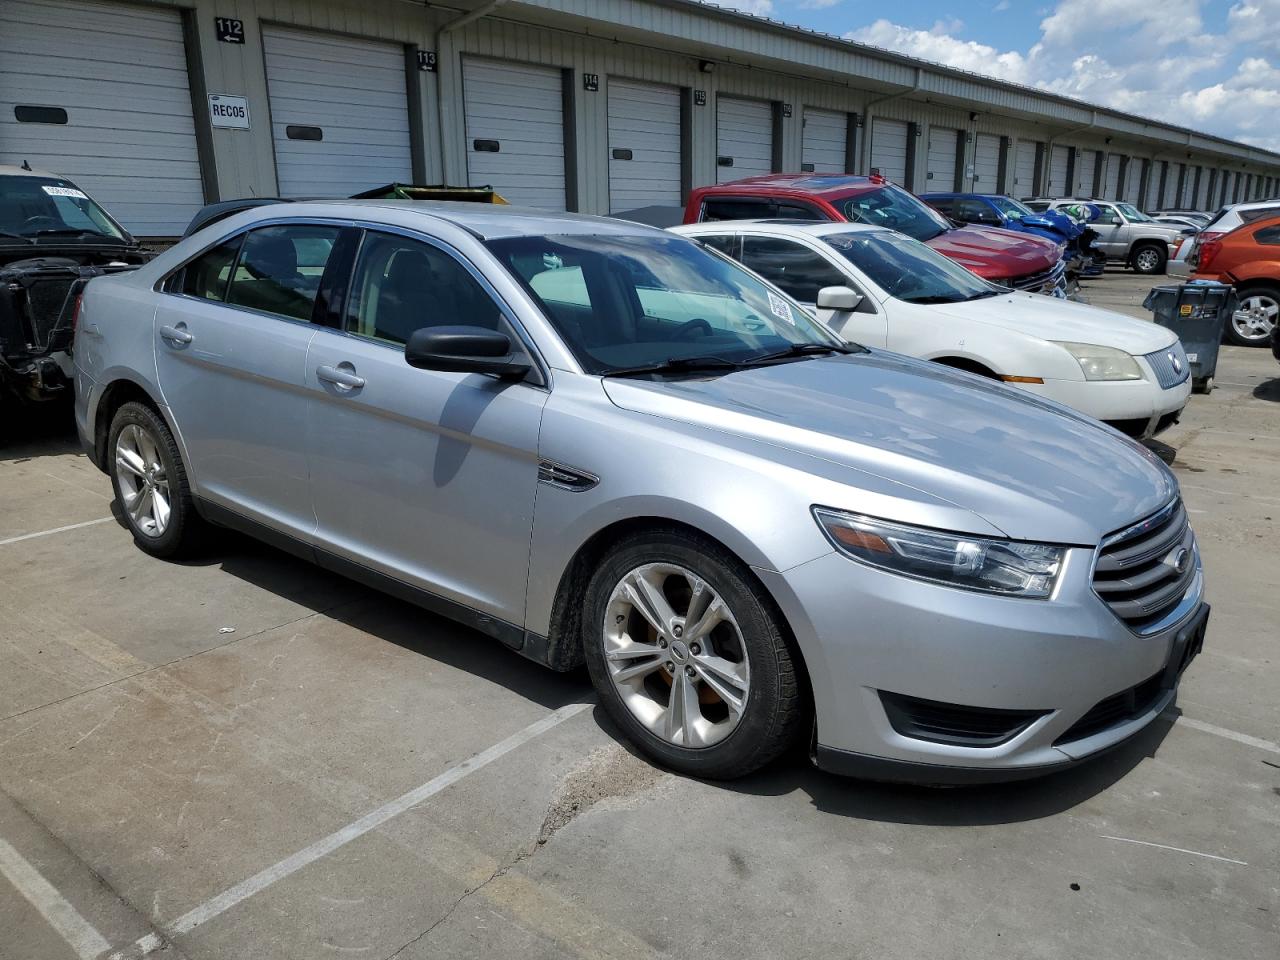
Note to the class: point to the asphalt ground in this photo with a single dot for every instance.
(244, 756)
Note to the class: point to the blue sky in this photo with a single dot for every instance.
(1213, 65)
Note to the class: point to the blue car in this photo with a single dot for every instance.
(994, 210)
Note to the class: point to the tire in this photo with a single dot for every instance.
(139, 436)
(1255, 317)
(1149, 258)
(673, 708)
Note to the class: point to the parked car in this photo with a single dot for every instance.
(53, 238)
(1229, 218)
(994, 210)
(1248, 258)
(1186, 225)
(1018, 261)
(1126, 234)
(602, 442)
(883, 289)
(1198, 218)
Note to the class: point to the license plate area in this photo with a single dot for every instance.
(1186, 645)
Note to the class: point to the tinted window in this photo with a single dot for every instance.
(945, 205)
(896, 209)
(794, 268)
(797, 211)
(206, 277)
(735, 208)
(402, 285)
(280, 268)
(1268, 235)
(1249, 216)
(726, 243)
(1107, 215)
(975, 211)
(39, 207)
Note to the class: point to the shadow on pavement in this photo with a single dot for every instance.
(1268, 390)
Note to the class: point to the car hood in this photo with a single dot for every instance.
(1029, 467)
(997, 254)
(1054, 319)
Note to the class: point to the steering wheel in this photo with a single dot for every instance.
(697, 323)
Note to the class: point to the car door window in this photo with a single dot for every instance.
(207, 275)
(797, 211)
(1268, 235)
(975, 211)
(791, 266)
(726, 243)
(402, 285)
(736, 208)
(280, 269)
(1108, 216)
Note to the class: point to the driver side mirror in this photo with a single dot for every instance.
(464, 350)
(840, 299)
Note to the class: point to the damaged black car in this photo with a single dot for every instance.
(54, 238)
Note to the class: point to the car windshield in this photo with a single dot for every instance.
(1012, 208)
(896, 209)
(625, 302)
(1133, 214)
(908, 270)
(45, 207)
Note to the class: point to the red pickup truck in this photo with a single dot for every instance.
(1017, 260)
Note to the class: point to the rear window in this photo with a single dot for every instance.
(1261, 213)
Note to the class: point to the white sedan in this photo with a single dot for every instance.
(883, 289)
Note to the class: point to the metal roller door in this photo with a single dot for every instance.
(986, 163)
(644, 145)
(1133, 181)
(120, 74)
(943, 144)
(825, 142)
(1187, 200)
(1169, 199)
(1024, 170)
(744, 138)
(1086, 164)
(339, 112)
(889, 148)
(515, 131)
(1111, 182)
(1058, 186)
(1153, 185)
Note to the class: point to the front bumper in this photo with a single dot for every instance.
(1138, 408)
(864, 632)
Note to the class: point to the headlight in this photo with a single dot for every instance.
(972, 563)
(1102, 363)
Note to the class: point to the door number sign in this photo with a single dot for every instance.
(229, 30)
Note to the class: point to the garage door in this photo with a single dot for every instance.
(1188, 200)
(1169, 198)
(1086, 165)
(943, 143)
(1024, 170)
(744, 138)
(120, 75)
(1133, 181)
(515, 131)
(825, 141)
(1058, 186)
(889, 148)
(339, 113)
(644, 145)
(1111, 180)
(986, 163)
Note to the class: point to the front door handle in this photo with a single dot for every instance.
(176, 335)
(339, 377)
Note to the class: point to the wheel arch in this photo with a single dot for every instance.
(966, 363)
(115, 395)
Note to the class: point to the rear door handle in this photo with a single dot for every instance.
(339, 377)
(175, 335)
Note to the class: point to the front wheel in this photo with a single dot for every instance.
(1255, 317)
(687, 657)
(1150, 259)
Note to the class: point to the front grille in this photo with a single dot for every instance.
(1143, 572)
(954, 723)
(1116, 709)
(1044, 281)
(1170, 365)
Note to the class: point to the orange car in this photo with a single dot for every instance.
(1248, 258)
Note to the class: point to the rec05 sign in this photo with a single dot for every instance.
(230, 113)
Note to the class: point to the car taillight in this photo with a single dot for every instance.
(1208, 250)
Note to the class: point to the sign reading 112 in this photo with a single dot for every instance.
(229, 30)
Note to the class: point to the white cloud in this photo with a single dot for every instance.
(938, 45)
(817, 4)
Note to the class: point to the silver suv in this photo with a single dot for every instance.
(599, 442)
(1127, 235)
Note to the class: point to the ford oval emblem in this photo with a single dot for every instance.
(1181, 560)
(1177, 364)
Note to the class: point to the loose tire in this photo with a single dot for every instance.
(687, 658)
(150, 482)
(1255, 317)
(1149, 258)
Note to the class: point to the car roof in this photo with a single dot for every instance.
(488, 221)
(812, 228)
(8, 170)
(818, 184)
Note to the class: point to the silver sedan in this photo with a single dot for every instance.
(597, 442)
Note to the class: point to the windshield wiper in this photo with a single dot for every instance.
(806, 350)
(13, 236)
(984, 295)
(676, 365)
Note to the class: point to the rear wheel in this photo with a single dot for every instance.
(686, 657)
(1255, 317)
(150, 482)
(1150, 258)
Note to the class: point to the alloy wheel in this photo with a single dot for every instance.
(1147, 260)
(675, 655)
(1256, 317)
(143, 483)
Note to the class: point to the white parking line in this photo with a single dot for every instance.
(46, 533)
(62, 916)
(1225, 733)
(1163, 846)
(375, 818)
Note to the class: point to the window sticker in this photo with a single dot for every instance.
(64, 192)
(781, 309)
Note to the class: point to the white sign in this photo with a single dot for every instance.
(231, 112)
